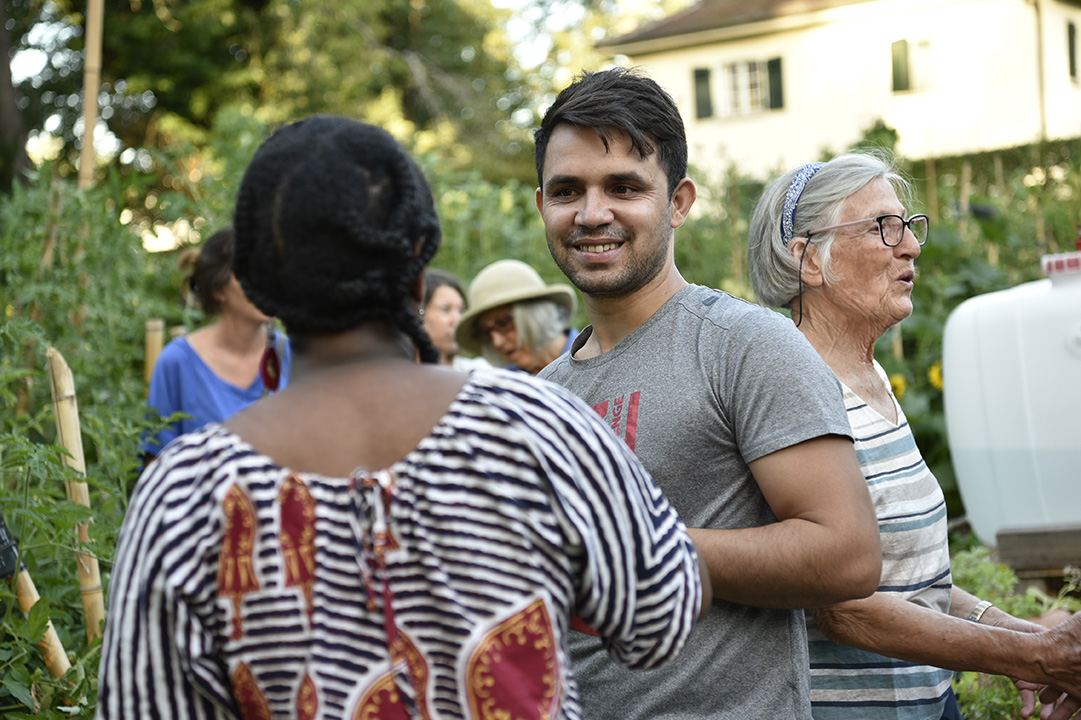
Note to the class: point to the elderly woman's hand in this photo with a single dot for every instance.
(1062, 661)
(1054, 704)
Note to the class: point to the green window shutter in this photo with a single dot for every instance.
(1071, 43)
(776, 84)
(901, 79)
(703, 96)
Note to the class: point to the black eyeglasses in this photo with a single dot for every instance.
(891, 228)
(502, 325)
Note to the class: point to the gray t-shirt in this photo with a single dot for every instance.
(708, 384)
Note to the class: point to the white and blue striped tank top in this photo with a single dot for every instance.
(847, 683)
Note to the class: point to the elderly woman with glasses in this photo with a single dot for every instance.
(832, 242)
(515, 320)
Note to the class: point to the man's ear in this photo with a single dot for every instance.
(682, 200)
(811, 270)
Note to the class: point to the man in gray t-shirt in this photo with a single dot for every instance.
(733, 413)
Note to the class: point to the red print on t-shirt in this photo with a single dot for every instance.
(623, 418)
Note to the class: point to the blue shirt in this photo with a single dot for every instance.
(182, 382)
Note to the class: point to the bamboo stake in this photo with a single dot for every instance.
(155, 339)
(68, 433)
(896, 342)
(95, 10)
(52, 651)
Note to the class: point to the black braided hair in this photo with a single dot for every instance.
(334, 223)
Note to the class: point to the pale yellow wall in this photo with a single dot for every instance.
(1063, 94)
(837, 80)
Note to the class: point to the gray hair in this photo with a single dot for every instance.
(773, 270)
(537, 323)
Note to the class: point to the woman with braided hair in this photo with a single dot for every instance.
(385, 537)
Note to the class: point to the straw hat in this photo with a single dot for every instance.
(506, 282)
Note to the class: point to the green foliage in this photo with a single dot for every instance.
(441, 71)
(75, 279)
(483, 222)
(711, 245)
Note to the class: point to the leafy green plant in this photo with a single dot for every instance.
(74, 278)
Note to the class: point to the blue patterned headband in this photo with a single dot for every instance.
(791, 199)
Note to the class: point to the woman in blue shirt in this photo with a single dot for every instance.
(215, 371)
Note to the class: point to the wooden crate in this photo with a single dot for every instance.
(1039, 555)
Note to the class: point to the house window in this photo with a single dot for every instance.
(1071, 44)
(753, 86)
(703, 94)
(911, 65)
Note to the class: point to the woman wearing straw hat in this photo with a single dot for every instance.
(515, 319)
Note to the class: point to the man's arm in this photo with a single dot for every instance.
(824, 549)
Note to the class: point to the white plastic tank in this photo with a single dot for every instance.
(1011, 364)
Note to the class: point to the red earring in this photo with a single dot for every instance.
(270, 367)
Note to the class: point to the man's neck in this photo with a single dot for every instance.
(614, 318)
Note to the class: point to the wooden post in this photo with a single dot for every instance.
(1000, 175)
(11, 565)
(69, 435)
(95, 16)
(155, 340)
(52, 650)
(965, 199)
(932, 189)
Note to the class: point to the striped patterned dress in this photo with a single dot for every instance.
(851, 684)
(441, 587)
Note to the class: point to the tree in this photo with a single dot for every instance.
(13, 158)
(433, 71)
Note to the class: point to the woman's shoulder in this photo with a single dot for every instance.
(177, 358)
(188, 452)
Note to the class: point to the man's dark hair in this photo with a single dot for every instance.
(620, 100)
(334, 223)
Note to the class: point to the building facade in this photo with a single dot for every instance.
(764, 85)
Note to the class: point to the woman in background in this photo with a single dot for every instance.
(444, 303)
(515, 320)
(213, 372)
